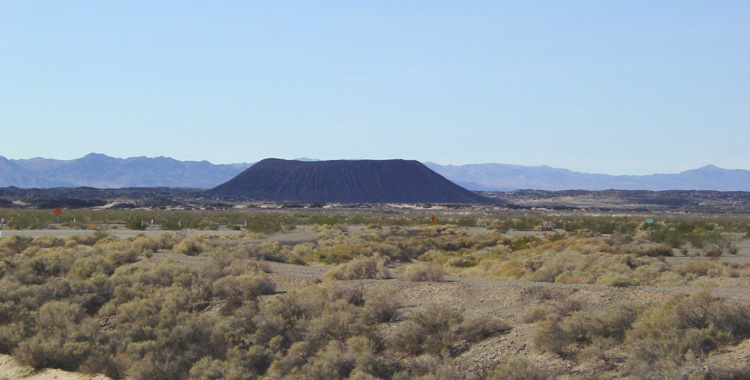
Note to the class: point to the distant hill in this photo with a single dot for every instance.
(499, 177)
(345, 181)
(102, 171)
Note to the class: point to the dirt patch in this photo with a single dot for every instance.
(12, 370)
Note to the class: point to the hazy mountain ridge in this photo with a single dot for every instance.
(102, 171)
(500, 177)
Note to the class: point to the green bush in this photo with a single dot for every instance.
(135, 223)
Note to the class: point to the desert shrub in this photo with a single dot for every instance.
(556, 331)
(52, 351)
(523, 242)
(713, 252)
(380, 305)
(481, 327)
(105, 362)
(570, 277)
(10, 335)
(209, 369)
(48, 242)
(672, 238)
(266, 251)
(237, 289)
(296, 356)
(15, 244)
(658, 250)
(163, 365)
(144, 244)
(424, 272)
(610, 322)
(88, 266)
(135, 223)
(722, 371)
(59, 315)
(430, 331)
(100, 233)
(520, 369)
(466, 221)
(338, 321)
(715, 240)
(334, 361)
(83, 239)
(551, 336)
(191, 246)
(360, 269)
(535, 313)
(353, 294)
(264, 224)
(684, 327)
(616, 280)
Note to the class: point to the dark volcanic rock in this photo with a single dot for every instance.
(344, 181)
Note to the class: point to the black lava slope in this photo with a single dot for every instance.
(344, 181)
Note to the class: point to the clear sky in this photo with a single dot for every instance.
(616, 87)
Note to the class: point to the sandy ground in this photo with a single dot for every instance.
(11, 370)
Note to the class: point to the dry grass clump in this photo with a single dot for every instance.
(362, 268)
(424, 272)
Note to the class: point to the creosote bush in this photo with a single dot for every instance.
(360, 269)
(424, 272)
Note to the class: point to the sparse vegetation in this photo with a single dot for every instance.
(184, 305)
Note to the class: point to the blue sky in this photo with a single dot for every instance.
(617, 87)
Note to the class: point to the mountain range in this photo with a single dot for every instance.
(102, 171)
(499, 177)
